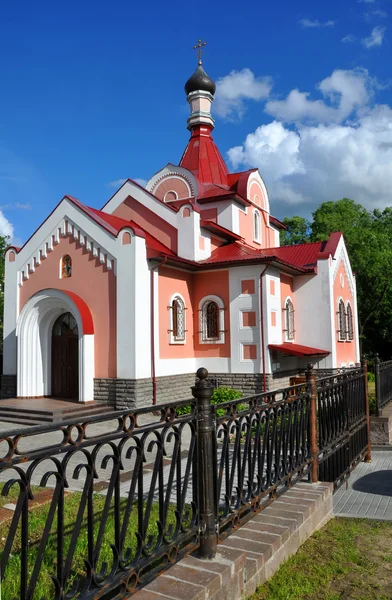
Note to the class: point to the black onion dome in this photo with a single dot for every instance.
(200, 81)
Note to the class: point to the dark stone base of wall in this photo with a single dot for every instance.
(249, 383)
(138, 393)
(8, 386)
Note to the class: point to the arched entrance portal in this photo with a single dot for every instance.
(65, 357)
(55, 331)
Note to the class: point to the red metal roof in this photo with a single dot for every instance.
(302, 256)
(298, 350)
(203, 158)
(114, 225)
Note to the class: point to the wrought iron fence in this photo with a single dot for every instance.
(343, 424)
(383, 381)
(121, 497)
(132, 510)
(262, 449)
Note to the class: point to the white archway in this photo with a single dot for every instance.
(34, 343)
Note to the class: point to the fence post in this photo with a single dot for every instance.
(206, 465)
(368, 457)
(312, 383)
(377, 384)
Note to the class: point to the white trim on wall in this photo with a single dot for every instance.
(34, 339)
(203, 339)
(173, 340)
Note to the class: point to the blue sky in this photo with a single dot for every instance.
(92, 93)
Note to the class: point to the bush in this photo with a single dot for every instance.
(220, 395)
(372, 405)
(371, 377)
(225, 394)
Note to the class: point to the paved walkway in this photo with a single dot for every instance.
(369, 492)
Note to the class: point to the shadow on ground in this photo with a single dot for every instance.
(378, 482)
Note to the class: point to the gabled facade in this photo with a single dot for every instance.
(123, 304)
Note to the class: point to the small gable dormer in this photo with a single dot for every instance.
(173, 183)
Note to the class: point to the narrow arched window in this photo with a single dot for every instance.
(212, 320)
(342, 321)
(350, 325)
(290, 330)
(66, 266)
(178, 319)
(256, 226)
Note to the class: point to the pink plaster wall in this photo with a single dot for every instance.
(214, 283)
(256, 194)
(192, 287)
(94, 284)
(169, 184)
(345, 351)
(171, 281)
(246, 229)
(132, 210)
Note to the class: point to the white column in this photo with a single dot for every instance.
(11, 311)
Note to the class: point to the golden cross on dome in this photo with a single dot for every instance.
(199, 50)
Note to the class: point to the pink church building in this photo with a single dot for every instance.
(122, 305)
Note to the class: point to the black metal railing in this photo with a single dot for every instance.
(103, 507)
(343, 424)
(383, 383)
(132, 510)
(262, 449)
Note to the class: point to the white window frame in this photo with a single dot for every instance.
(256, 218)
(286, 320)
(173, 339)
(348, 304)
(203, 321)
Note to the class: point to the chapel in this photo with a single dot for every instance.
(122, 305)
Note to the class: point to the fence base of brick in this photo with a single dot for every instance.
(252, 554)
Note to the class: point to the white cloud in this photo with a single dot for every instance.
(6, 228)
(236, 87)
(16, 205)
(117, 183)
(343, 92)
(375, 38)
(339, 147)
(366, 1)
(142, 182)
(380, 13)
(348, 39)
(316, 23)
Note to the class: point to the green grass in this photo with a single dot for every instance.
(37, 519)
(14, 494)
(347, 559)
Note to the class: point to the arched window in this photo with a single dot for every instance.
(212, 320)
(66, 266)
(256, 226)
(342, 321)
(289, 319)
(350, 325)
(177, 319)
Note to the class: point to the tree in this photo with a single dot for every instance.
(298, 231)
